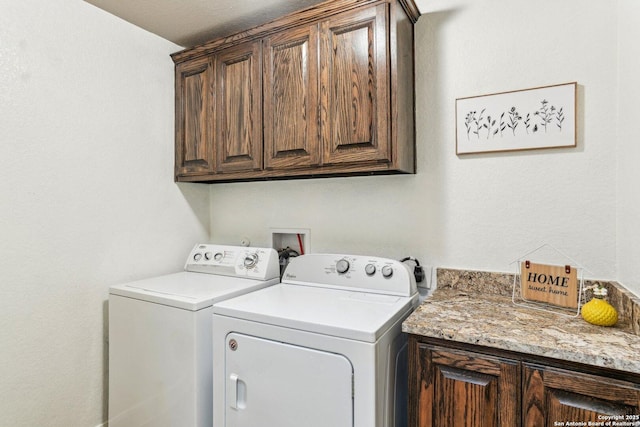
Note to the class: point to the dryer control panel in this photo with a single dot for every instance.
(358, 272)
(238, 261)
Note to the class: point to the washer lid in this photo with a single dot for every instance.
(188, 290)
(342, 313)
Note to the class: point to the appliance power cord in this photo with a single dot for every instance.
(418, 271)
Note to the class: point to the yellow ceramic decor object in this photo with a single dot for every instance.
(598, 311)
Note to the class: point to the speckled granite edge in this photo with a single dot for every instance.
(495, 283)
(493, 321)
(476, 308)
(627, 304)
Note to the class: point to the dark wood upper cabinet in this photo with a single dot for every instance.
(194, 109)
(238, 113)
(355, 86)
(324, 91)
(290, 93)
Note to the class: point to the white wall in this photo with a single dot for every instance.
(629, 145)
(480, 211)
(86, 198)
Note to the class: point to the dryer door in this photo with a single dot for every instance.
(270, 383)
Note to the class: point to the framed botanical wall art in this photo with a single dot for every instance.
(543, 117)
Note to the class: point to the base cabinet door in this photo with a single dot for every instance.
(459, 388)
(555, 397)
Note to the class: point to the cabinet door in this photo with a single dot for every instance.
(238, 108)
(554, 396)
(291, 99)
(458, 388)
(194, 109)
(354, 86)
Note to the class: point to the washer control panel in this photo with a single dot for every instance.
(361, 273)
(239, 261)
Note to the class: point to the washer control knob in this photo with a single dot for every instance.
(208, 255)
(370, 269)
(218, 256)
(197, 256)
(250, 260)
(342, 266)
(387, 271)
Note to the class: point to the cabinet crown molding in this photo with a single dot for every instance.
(301, 17)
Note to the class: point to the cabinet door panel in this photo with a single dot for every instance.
(194, 102)
(354, 86)
(291, 98)
(553, 395)
(464, 398)
(467, 389)
(238, 112)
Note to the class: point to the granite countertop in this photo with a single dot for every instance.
(481, 312)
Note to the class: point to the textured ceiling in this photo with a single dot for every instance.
(191, 22)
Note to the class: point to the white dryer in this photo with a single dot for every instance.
(160, 335)
(322, 348)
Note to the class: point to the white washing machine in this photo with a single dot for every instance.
(160, 335)
(323, 348)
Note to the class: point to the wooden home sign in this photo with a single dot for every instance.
(552, 284)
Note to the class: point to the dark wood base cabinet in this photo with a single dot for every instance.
(458, 385)
(328, 90)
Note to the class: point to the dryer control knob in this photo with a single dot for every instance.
(370, 269)
(218, 256)
(387, 271)
(342, 266)
(197, 256)
(208, 255)
(250, 260)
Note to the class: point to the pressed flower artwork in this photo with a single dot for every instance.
(543, 117)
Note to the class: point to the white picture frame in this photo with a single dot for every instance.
(527, 119)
